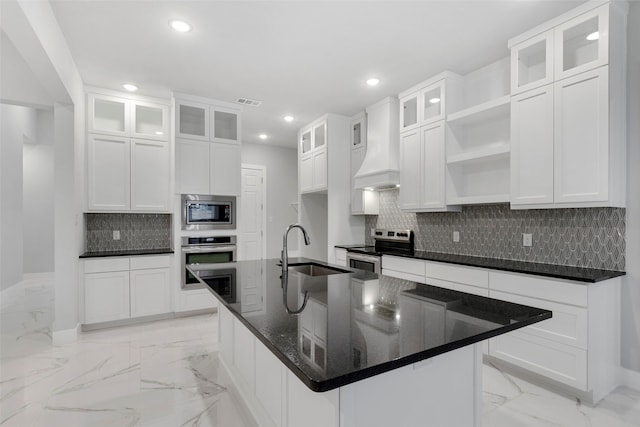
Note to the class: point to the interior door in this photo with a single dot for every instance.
(251, 213)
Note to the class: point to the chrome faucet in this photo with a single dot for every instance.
(285, 254)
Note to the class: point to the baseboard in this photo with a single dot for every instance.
(50, 275)
(66, 335)
(629, 378)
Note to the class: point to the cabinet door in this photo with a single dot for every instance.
(108, 172)
(150, 292)
(305, 142)
(581, 170)
(357, 205)
(319, 169)
(306, 173)
(532, 147)
(359, 133)
(582, 43)
(532, 63)
(433, 164)
(225, 125)
(225, 169)
(410, 170)
(409, 112)
(108, 115)
(106, 296)
(192, 120)
(150, 175)
(149, 121)
(319, 136)
(192, 167)
(432, 103)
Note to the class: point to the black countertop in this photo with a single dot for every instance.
(128, 252)
(358, 324)
(579, 274)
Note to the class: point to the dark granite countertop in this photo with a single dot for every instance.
(358, 324)
(579, 274)
(129, 252)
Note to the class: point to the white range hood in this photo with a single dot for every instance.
(380, 168)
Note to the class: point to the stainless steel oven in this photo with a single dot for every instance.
(217, 253)
(203, 212)
(365, 262)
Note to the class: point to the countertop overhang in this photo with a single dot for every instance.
(359, 324)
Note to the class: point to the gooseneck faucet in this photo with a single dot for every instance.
(285, 254)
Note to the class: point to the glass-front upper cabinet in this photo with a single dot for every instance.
(320, 135)
(433, 103)
(150, 121)
(226, 125)
(192, 120)
(108, 115)
(305, 141)
(532, 63)
(409, 112)
(582, 43)
(359, 131)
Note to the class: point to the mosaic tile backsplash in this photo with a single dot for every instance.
(587, 237)
(137, 231)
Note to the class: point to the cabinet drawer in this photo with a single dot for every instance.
(145, 262)
(405, 276)
(567, 326)
(452, 273)
(546, 289)
(105, 265)
(560, 362)
(403, 265)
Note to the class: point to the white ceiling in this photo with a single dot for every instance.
(303, 58)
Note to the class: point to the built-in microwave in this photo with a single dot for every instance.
(203, 212)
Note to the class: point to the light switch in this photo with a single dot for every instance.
(456, 236)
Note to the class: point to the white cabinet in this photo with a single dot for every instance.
(207, 121)
(532, 63)
(127, 174)
(341, 257)
(207, 168)
(422, 169)
(313, 158)
(112, 115)
(126, 287)
(425, 104)
(363, 202)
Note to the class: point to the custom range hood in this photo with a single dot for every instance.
(380, 167)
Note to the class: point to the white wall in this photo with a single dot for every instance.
(630, 317)
(18, 126)
(282, 187)
(37, 202)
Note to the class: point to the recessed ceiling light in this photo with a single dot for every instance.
(434, 100)
(159, 132)
(288, 118)
(373, 81)
(593, 36)
(130, 87)
(180, 26)
(397, 185)
(262, 136)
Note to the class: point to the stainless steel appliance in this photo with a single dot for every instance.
(204, 212)
(387, 241)
(215, 252)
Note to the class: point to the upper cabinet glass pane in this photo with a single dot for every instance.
(109, 115)
(410, 112)
(149, 120)
(432, 103)
(306, 142)
(192, 120)
(532, 63)
(319, 137)
(580, 44)
(225, 125)
(357, 134)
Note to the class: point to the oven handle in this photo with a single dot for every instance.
(209, 249)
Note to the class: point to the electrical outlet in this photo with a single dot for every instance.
(116, 234)
(527, 239)
(456, 236)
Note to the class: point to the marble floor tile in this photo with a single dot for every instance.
(167, 373)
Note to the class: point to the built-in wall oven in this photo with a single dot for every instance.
(218, 254)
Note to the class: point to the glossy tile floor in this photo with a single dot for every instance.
(166, 373)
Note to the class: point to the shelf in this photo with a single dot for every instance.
(481, 155)
(474, 200)
(478, 114)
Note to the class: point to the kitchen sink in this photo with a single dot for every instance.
(316, 270)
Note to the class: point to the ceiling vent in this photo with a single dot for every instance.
(247, 101)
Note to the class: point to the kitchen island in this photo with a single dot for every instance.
(353, 348)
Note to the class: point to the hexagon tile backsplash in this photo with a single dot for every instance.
(586, 237)
(137, 231)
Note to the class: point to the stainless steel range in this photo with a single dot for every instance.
(387, 241)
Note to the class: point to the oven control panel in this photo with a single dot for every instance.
(392, 234)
